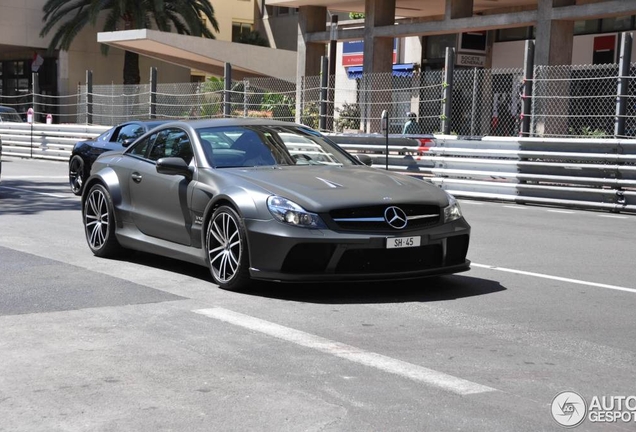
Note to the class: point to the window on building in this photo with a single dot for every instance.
(240, 29)
(515, 34)
(587, 27)
(617, 24)
(473, 41)
(436, 45)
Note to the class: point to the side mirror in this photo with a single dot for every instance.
(365, 159)
(125, 143)
(174, 166)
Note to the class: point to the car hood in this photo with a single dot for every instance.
(322, 188)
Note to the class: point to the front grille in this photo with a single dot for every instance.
(390, 260)
(377, 212)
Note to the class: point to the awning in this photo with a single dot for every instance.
(400, 70)
(207, 55)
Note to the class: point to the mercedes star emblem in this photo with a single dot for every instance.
(395, 217)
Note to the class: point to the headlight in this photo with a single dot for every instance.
(290, 213)
(453, 211)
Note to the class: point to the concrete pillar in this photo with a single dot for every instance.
(310, 19)
(555, 39)
(378, 52)
(378, 59)
(553, 47)
(459, 9)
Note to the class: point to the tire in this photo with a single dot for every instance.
(99, 223)
(76, 175)
(227, 251)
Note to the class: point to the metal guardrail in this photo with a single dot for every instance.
(577, 173)
(43, 141)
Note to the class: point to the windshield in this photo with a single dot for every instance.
(248, 146)
(10, 116)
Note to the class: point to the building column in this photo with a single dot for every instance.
(459, 9)
(310, 19)
(555, 39)
(553, 47)
(378, 59)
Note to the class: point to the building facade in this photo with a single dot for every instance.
(61, 72)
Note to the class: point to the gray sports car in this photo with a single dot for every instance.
(260, 199)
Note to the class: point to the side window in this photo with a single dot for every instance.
(130, 131)
(172, 143)
(140, 147)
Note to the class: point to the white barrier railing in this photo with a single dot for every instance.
(44, 141)
(582, 173)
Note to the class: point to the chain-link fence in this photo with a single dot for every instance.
(486, 102)
(578, 101)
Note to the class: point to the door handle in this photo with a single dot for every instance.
(136, 177)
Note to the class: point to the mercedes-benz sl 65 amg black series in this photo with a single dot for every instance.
(260, 199)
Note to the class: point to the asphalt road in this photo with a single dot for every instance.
(150, 344)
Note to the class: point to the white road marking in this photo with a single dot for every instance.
(561, 211)
(20, 177)
(471, 202)
(614, 216)
(348, 352)
(558, 278)
(516, 207)
(34, 192)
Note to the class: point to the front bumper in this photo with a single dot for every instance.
(285, 253)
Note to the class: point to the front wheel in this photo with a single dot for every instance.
(226, 247)
(76, 176)
(99, 223)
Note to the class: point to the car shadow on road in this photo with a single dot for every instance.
(26, 197)
(440, 288)
(431, 289)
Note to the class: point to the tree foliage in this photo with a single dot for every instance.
(67, 18)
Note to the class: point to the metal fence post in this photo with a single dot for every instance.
(227, 93)
(246, 88)
(449, 70)
(35, 88)
(153, 92)
(526, 97)
(324, 82)
(89, 97)
(474, 103)
(333, 44)
(622, 90)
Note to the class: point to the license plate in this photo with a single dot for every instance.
(402, 242)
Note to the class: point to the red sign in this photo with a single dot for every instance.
(353, 53)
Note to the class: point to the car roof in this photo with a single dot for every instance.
(7, 109)
(220, 122)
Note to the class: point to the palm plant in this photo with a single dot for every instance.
(69, 17)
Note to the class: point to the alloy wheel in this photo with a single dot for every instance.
(96, 219)
(224, 247)
(75, 175)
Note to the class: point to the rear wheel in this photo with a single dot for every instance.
(226, 245)
(99, 223)
(76, 176)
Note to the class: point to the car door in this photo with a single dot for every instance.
(160, 203)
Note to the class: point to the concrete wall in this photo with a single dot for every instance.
(21, 22)
(228, 11)
(282, 31)
(510, 54)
